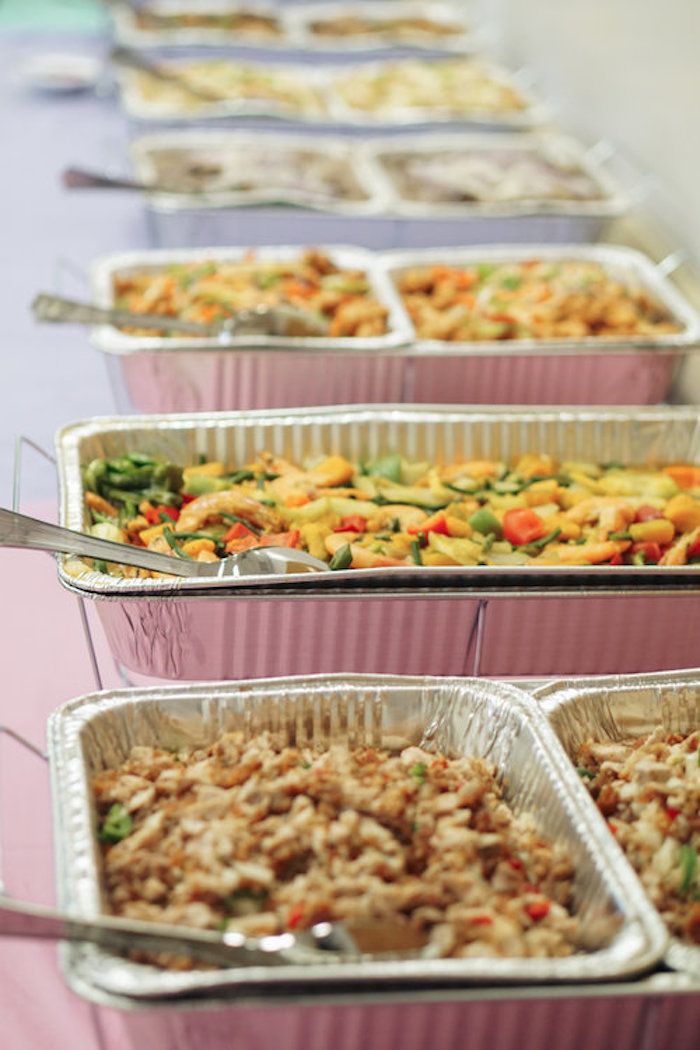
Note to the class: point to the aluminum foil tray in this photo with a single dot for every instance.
(296, 34)
(337, 115)
(622, 934)
(647, 435)
(111, 340)
(160, 376)
(624, 707)
(633, 370)
(631, 267)
(408, 621)
(384, 219)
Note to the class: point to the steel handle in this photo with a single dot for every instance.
(124, 56)
(115, 934)
(54, 309)
(21, 531)
(82, 179)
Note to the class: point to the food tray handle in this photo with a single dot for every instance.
(672, 262)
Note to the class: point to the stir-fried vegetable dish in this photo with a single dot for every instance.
(391, 512)
(211, 290)
(533, 299)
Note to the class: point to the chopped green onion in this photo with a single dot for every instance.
(342, 559)
(116, 825)
(419, 771)
(415, 552)
(587, 774)
(99, 565)
(623, 534)
(689, 865)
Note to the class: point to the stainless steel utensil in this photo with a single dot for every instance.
(131, 59)
(21, 531)
(262, 320)
(228, 948)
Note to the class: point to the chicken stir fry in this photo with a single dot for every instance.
(210, 291)
(535, 299)
(390, 512)
(243, 835)
(649, 792)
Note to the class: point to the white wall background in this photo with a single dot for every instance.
(627, 71)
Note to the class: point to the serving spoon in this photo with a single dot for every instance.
(131, 59)
(21, 531)
(280, 319)
(226, 948)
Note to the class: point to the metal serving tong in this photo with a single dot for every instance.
(131, 59)
(18, 530)
(229, 948)
(281, 319)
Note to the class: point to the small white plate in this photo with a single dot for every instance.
(60, 73)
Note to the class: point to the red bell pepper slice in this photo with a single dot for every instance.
(295, 916)
(522, 526)
(153, 514)
(280, 539)
(352, 523)
(538, 909)
(650, 550)
(238, 531)
(647, 513)
(438, 523)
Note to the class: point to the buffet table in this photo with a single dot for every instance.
(53, 377)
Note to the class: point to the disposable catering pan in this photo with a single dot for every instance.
(592, 370)
(268, 213)
(175, 374)
(252, 371)
(380, 219)
(459, 35)
(292, 30)
(329, 112)
(626, 707)
(444, 620)
(620, 935)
